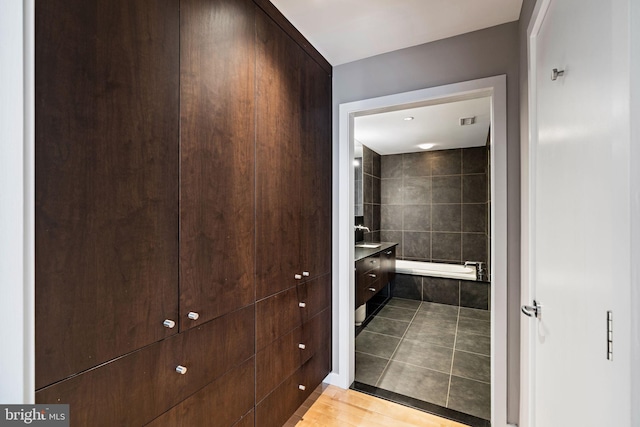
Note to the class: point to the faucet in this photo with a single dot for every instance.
(362, 227)
(480, 270)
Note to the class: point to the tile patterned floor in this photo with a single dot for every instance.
(432, 352)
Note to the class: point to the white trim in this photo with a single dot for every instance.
(343, 286)
(527, 204)
(16, 202)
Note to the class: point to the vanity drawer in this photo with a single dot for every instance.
(368, 263)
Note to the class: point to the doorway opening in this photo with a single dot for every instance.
(493, 88)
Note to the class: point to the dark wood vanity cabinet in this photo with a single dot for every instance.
(183, 212)
(373, 273)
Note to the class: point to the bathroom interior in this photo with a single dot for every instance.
(422, 204)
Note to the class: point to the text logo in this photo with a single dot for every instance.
(36, 415)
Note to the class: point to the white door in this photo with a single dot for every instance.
(577, 209)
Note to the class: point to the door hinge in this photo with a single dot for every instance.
(609, 335)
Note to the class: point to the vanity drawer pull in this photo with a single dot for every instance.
(305, 273)
(193, 315)
(302, 304)
(168, 323)
(298, 276)
(372, 275)
(181, 369)
(302, 346)
(372, 289)
(301, 387)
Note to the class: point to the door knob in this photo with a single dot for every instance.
(534, 310)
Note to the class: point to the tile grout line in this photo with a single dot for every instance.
(453, 356)
(397, 346)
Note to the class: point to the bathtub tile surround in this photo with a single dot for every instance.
(443, 195)
(443, 356)
(463, 293)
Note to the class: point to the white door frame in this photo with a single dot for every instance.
(343, 282)
(528, 165)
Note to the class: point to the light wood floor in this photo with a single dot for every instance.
(346, 408)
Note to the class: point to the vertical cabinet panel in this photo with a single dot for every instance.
(107, 129)
(278, 158)
(317, 167)
(217, 78)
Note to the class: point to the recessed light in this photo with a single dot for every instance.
(426, 146)
(408, 119)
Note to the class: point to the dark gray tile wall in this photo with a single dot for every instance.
(371, 198)
(435, 204)
(463, 293)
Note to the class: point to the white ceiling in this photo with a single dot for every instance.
(388, 132)
(347, 30)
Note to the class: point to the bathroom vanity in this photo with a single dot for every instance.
(375, 269)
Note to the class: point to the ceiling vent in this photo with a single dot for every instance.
(465, 121)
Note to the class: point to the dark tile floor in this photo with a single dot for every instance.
(431, 352)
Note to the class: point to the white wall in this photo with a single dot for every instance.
(16, 278)
(634, 26)
(471, 56)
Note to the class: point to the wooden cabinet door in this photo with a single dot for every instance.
(217, 79)
(136, 388)
(316, 169)
(279, 119)
(107, 129)
(221, 403)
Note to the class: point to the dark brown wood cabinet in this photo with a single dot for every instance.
(373, 273)
(217, 79)
(183, 212)
(107, 133)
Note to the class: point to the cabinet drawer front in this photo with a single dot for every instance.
(278, 315)
(136, 388)
(283, 312)
(367, 264)
(316, 335)
(276, 361)
(316, 294)
(278, 406)
(222, 402)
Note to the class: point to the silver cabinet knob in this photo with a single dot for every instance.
(181, 369)
(372, 289)
(193, 315)
(168, 323)
(305, 273)
(302, 304)
(301, 387)
(298, 276)
(302, 346)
